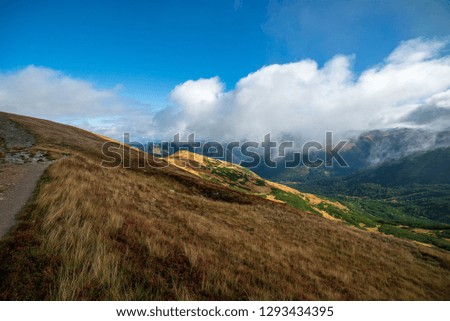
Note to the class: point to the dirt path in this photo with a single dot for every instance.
(17, 183)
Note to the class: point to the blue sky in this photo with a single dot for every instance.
(150, 46)
(111, 66)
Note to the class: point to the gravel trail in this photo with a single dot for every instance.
(17, 183)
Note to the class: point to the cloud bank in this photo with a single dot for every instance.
(299, 100)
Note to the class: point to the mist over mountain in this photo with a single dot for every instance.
(378, 146)
(367, 150)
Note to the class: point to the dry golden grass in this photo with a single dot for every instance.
(205, 167)
(134, 234)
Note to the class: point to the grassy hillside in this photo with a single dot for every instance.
(243, 180)
(95, 233)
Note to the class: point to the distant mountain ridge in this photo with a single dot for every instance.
(429, 167)
(366, 151)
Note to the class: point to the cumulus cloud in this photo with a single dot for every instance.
(47, 93)
(303, 100)
(198, 96)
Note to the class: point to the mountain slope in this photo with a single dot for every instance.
(242, 179)
(418, 213)
(431, 167)
(142, 232)
(408, 197)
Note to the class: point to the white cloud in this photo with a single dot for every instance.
(197, 96)
(302, 100)
(441, 100)
(415, 50)
(46, 93)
